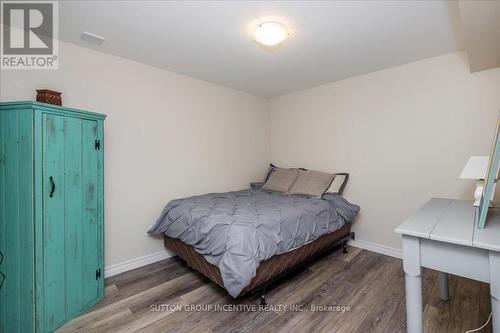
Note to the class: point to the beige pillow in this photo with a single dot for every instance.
(281, 180)
(311, 183)
(337, 183)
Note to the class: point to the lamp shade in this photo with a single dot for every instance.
(475, 168)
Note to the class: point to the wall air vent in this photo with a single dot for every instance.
(91, 38)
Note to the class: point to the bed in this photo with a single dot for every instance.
(244, 240)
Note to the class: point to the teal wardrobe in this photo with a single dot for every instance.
(51, 215)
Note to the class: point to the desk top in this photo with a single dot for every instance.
(453, 221)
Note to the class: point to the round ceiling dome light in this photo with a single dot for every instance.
(270, 33)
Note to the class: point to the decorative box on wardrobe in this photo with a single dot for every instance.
(51, 215)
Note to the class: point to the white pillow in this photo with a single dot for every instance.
(337, 184)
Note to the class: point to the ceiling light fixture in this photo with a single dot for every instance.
(270, 33)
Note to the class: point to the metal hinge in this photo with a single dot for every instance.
(97, 144)
(98, 274)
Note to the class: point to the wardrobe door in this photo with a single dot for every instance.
(53, 222)
(92, 223)
(71, 228)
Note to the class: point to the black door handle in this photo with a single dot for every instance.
(1, 259)
(52, 186)
(3, 279)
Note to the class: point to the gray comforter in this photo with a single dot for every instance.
(237, 230)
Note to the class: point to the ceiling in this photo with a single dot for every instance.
(481, 25)
(211, 40)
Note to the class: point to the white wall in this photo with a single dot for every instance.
(167, 136)
(403, 133)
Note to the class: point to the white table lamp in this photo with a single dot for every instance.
(476, 168)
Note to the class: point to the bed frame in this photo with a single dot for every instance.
(270, 270)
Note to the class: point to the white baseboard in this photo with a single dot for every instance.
(161, 255)
(388, 251)
(136, 263)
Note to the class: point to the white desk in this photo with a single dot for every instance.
(442, 235)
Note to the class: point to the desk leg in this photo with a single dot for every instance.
(495, 289)
(495, 308)
(413, 286)
(413, 283)
(444, 292)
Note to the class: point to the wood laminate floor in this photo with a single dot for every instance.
(371, 284)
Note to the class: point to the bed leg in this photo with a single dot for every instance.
(263, 298)
(344, 247)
